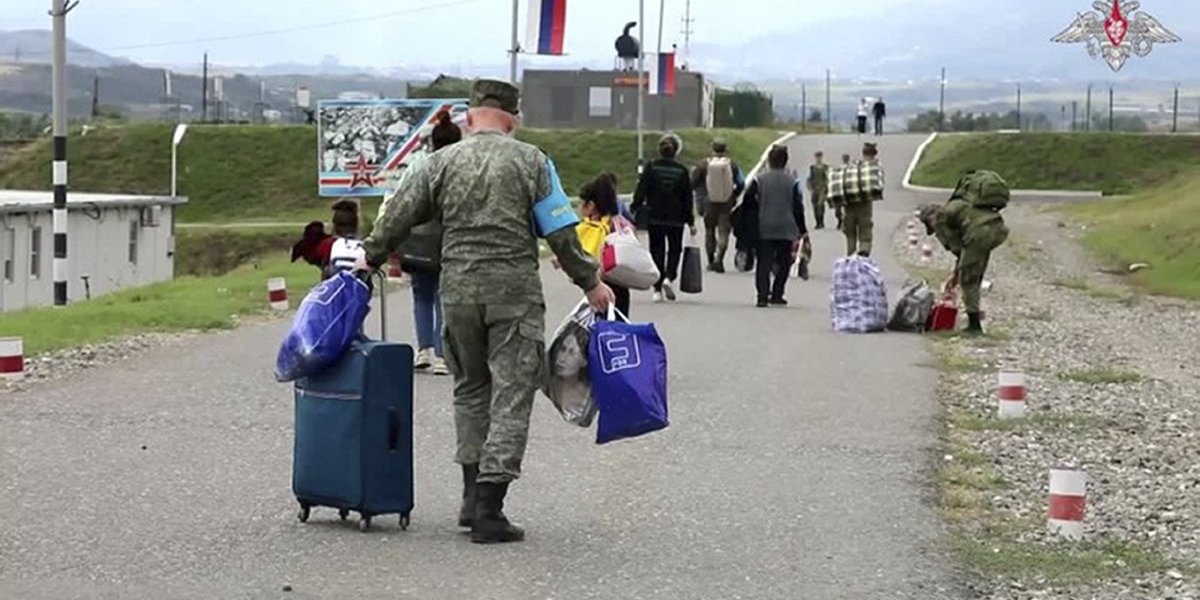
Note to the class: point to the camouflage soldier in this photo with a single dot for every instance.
(818, 188)
(970, 232)
(858, 212)
(483, 190)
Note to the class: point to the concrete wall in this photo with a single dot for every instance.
(99, 247)
(564, 99)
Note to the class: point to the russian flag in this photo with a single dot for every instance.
(662, 75)
(547, 27)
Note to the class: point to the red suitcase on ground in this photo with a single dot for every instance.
(944, 316)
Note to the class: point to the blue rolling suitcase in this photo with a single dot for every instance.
(353, 444)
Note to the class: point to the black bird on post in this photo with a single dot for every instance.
(628, 47)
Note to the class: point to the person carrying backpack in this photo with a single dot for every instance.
(970, 227)
(719, 181)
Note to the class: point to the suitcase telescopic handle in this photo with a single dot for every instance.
(382, 303)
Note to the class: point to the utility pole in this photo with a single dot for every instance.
(942, 103)
(1110, 108)
(661, 99)
(515, 48)
(1020, 126)
(687, 32)
(641, 104)
(1074, 115)
(1175, 114)
(58, 14)
(204, 96)
(828, 102)
(803, 107)
(1088, 113)
(96, 97)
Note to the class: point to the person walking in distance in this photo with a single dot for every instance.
(818, 189)
(858, 213)
(482, 190)
(776, 198)
(420, 257)
(880, 113)
(722, 182)
(665, 191)
(863, 109)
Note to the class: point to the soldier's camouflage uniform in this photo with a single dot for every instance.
(482, 189)
(818, 188)
(970, 233)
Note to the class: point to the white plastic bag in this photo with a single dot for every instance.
(626, 263)
(567, 384)
(858, 301)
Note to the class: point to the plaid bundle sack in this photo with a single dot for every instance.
(858, 301)
(855, 183)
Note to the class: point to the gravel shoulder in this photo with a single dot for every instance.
(1113, 389)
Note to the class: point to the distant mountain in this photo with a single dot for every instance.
(34, 46)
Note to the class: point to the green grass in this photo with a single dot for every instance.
(950, 360)
(1061, 564)
(209, 252)
(1111, 163)
(1101, 376)
(1040, 422)
(1160, 227)
(187, 303)
(267, 173)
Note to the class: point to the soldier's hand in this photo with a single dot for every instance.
(600, 297)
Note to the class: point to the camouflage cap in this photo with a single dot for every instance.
(719, 142)
(492, 93)
(870, 148)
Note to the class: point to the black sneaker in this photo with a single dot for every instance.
(762, 303)
(718, 267)
(778, 302)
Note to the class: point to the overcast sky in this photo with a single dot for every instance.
(404, 32)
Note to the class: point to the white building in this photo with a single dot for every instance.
(114, 241)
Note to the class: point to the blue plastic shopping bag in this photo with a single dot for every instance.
(627, 365)
(327, 322)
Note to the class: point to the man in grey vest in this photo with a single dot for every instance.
(776, 198)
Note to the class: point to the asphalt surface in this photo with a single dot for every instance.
(796, 466)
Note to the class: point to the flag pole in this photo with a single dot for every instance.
(515, 48)
(641, 106)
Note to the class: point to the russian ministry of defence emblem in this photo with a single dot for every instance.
(1115, 31)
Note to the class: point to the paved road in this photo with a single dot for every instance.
(796, 466)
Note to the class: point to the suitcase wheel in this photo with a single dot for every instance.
(404, 522)
(343, 513)
(305, 510)
(364, 523)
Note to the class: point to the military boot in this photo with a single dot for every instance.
(466, 515)
(974, 324)
(490, 525)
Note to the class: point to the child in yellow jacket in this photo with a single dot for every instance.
(601, 214)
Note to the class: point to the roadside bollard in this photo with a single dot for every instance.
(12, 358)
(1011, 393)
(277, 293)
(913, 240)
(926, 253)
(1068, 502)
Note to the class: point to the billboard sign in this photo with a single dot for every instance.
(362, 145)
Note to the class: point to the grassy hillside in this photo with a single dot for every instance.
(1160, 227)
(269, 173)
(1111, 163)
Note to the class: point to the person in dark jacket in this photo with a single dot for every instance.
(776, 199)
(665, 192)
(420, 257)
(879, 111)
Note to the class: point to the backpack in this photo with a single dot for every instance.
(983, 189)
(719, 180)
(913, 308)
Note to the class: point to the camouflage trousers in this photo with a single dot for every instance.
(857, 224)
(973, 264)
(819, 200)
(496, 353)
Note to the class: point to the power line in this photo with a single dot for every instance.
(268, 32)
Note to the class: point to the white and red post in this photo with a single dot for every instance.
(926, 253)
(277, 293)
(1068, 502)
(1011, 393)
(12, 358)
